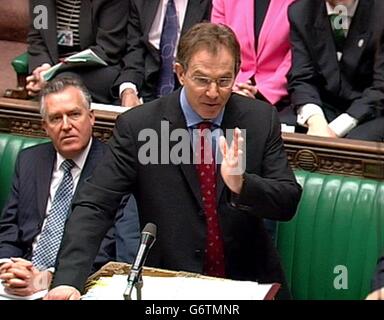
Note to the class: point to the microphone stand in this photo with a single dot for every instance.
(138, 286)
(135, 279)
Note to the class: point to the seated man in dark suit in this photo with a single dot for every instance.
(208, 208)
(154, 28)
(378, 282)
(46, 177)
(337, 78)
(67, 27)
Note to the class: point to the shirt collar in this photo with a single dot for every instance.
(192, 118)
(351, 8)
(79, 160)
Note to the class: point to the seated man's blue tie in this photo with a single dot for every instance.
(168, 40)
(50, 239)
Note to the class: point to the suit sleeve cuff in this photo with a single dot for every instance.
(237, 200)
(4, 260)
(306, 111)
(51, 270)
(127, 85)
(343, 124)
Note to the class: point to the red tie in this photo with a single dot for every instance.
(214, 264)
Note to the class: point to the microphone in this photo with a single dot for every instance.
(148, 237)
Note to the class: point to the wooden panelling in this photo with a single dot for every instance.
(333, 156)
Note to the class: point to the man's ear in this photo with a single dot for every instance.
(44, 125)
(180, 72)
(92, 117)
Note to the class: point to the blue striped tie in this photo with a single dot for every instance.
(168, 40)
(48, 245)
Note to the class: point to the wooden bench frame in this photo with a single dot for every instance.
(333, 156)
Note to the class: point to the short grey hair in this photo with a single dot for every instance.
(60, 84)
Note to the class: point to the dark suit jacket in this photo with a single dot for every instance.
(355, 84)
(169, 195)
(142, 60)
(378, 279)
(102, 29)
(24, 212)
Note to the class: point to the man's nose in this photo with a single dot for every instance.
(67, 124)
(213, 90)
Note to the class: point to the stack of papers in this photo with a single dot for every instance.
(109, 107)
(179, 288)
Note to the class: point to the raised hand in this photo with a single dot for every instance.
(232, 167)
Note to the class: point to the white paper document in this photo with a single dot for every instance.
(179, 288)
(109, 107)
(35, 296)
(84, 58)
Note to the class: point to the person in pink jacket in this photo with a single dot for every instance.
(262, 29)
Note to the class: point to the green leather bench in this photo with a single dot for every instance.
(10, 146)
(330, 249)
(338, 228)
(20, 64)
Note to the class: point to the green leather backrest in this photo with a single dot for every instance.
(10, 146)
(20, 63)
(330, 249)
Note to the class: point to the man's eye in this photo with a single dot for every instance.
(204, 81)
(75, 115)
(55, 119)
(225, 82)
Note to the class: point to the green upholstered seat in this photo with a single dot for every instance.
(10, 146)
(20, 63)
(339, 226)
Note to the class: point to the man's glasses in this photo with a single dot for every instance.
(205, 82)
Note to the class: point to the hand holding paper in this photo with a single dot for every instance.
(35, 81)
(84, 58)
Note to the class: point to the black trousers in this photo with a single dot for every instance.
(98, 81)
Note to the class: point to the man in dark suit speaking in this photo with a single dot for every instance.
(46, 176)
(337, 78)
(209, 217)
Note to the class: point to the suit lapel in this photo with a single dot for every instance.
(50, 34)
(250, 24)
(230, 122)
(358, 35)
(85, 32)
(150, 10)
(268, 25)
(176, 119)
(193, 14)
(44, 175)
(324, 47)
(94, 155)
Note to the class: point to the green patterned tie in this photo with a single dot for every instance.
(338, 31)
